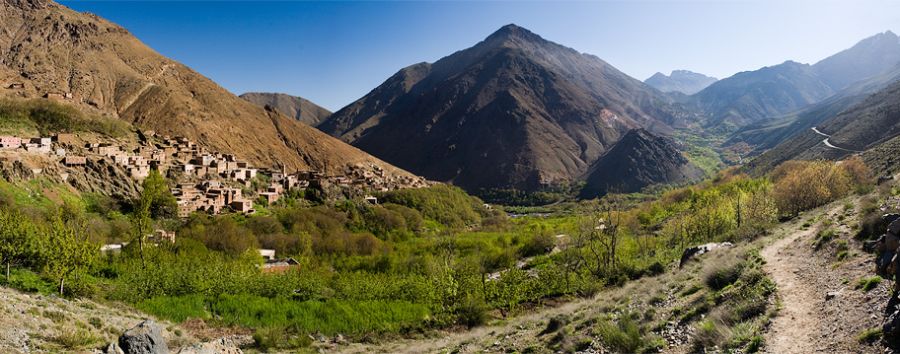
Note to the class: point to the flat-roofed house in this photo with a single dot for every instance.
(72, 160)
(10, 142)
(242, 206)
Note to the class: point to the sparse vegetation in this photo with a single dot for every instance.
(866, 284)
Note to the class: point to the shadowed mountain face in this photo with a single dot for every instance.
(639, 160)
(50, 49)
(770, 92)
(299, 108)
(514, 111)
(683, 81)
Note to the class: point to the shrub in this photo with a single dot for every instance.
(75, 338)
(623, 336)
(472, 312)
(869, 335)
(868, 283)
(722, 272)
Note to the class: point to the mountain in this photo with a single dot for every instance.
(513, 111)
(750, 96)
(48, 50)
(871, 126)
(640, 159)
(869, 57)
(683, 81)
(766, 134)
(292, 106)
(770, 92)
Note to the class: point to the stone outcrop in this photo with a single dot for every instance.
(145, 338)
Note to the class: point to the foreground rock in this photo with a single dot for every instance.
(145, 338)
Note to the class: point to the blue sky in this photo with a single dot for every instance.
(335, 52)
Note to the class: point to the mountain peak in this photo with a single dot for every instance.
(684, 81)
(512, 32)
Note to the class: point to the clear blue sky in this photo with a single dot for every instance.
(335, 52)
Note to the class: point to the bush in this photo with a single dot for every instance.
(722, 272)
(866, 284)
(869, 335)
(75, 338)
(472, 312)
(623, 336)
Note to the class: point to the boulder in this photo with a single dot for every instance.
(113, 348)
(145, 338)
(698, 250)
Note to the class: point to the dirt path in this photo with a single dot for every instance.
(822, 311)
(792, 330)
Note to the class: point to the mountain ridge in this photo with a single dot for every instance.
(295, 107)
(512, 111)
(681, 81)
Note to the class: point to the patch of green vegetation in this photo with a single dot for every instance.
(70, 338)
(45, 117)
(824, 236)
(866, 284)
(869, 335)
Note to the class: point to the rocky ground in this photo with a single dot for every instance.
(34, 323)
(824, 310)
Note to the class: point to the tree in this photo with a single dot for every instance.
(65, 252)
(156, 193)
(17, 239)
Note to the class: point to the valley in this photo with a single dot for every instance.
(512, 195)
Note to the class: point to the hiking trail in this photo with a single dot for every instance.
(822, 311)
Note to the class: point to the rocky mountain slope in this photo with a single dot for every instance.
(865, 126)
(766, 134)
(514, 111)
(770, 92)
(638, 160)
(299, 108)
(48, 50)
(683, 81)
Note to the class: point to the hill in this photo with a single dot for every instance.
(299, 108)
(683, 81)
(514, 111)
(752, 96)
(48, 50)
(871, 123)
(766, 134)
(640, 159)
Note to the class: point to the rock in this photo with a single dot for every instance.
(113, 348)
(831, 295)
(145, 338)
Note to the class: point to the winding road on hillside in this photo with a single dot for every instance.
(828, 143)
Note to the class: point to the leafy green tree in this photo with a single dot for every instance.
(17, 239)
(65, 253)
(156, 193)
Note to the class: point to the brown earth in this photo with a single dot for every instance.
(299, 108)
(50, 49)
(821, 309)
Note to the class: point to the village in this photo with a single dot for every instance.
(207, 181)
